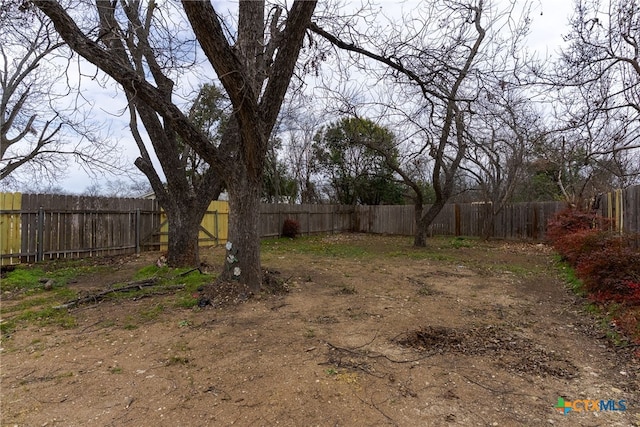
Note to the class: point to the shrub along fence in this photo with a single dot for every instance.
(35, 227)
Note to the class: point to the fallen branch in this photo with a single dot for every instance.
(185, 273)
(130, 286)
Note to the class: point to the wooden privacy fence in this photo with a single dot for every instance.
(38, 227)
(516, 221)
(313, 219)
(35, 227)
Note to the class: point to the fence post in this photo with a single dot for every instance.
(40, 236)
(215, 225)
(137, 230)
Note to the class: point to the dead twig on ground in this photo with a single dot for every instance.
(138, 284)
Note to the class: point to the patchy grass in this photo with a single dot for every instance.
(29, 302)
(152, 313)
(184, 283)
(568, 275)
(462, 242)
(22, 279)
(326, 246)
(619, 322)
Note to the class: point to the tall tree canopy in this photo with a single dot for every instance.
(358, 173)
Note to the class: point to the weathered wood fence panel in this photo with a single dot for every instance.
(10, 226)
(517, 221)
(384, 219)
(313, 219)
(623, 208)
(62, 226)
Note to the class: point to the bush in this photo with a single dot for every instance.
(629, 323)
(611, 272)
(573, 247)
(570, 221)
(290, 228)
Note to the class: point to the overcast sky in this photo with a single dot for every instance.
(550, 19)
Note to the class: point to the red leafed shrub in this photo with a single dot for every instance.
(570, 221)
(290, 228)
(572, 247)
(634, 293)
(576, 233)
(629, 322)
(610, 269)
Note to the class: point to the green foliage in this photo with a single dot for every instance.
(210, 115)
(355, 154)
(278, 186)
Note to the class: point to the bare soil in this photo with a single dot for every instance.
(485, 335)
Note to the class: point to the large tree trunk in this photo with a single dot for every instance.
(420, 237)
(184, 226)
(424, 221)
(242, 262)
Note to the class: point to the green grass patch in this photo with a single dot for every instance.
(187, 282)
(568, 275)
(7, 326)
(47, 316)
(364, 247)
(462, 242)
(31, 279)
(151, 271)
(22, 279)
(31, 303)
(186, 301)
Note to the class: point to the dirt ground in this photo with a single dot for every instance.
(379, 334)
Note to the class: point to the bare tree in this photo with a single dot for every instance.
(298, 127)
(118, 188)
(439, 58)
(38, 133)
(504, 129)
(254, 64)
(597, 81)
